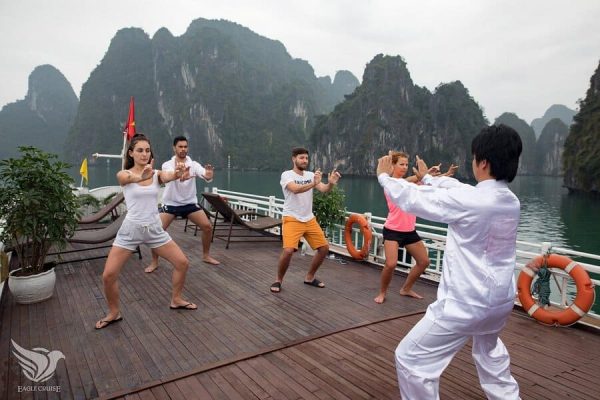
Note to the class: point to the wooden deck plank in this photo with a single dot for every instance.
(272, 370)
(308, 374)
(262, 382)
(158, 353)
(232, 391)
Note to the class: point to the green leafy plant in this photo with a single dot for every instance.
(38, 208)
(89, 201)
(329, 208)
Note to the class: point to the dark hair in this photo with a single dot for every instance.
(178, 139)
(298, 150)
(138, 137)
(501, 147)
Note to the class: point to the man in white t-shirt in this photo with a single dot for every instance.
(180, 198)
(298, 220)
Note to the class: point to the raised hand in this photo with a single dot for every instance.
(182, 171)
(385, 165)
(421, 170)
(318, 176)
(451, 170)
(333, 177)
(148, 171)
(435, 170)
(210, 171)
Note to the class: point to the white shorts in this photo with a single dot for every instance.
(132, 234)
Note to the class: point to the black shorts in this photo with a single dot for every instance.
(181, 211)
(403, 238)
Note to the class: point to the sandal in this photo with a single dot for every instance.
(316, 283)
(107, 322)
(276, 287)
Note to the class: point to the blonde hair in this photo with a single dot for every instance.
(396, 155)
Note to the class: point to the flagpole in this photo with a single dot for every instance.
(124, 152)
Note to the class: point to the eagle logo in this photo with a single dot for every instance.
(38, 364)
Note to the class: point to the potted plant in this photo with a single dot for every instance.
(330, 209)
(38, 210)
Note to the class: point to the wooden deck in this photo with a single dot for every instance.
(246, 343)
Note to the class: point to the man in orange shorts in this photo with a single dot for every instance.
(298, 219)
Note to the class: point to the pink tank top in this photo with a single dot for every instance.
(398, 220)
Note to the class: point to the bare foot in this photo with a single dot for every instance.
(210, 260)
(151, 268)
(410, 293)
(380, 299)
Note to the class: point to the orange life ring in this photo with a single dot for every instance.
(366, 231)
(581, 305)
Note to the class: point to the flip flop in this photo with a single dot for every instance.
(316, 283)
(107, 323)
(183, 307)
(276, 287)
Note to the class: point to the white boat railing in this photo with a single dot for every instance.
(434, 238)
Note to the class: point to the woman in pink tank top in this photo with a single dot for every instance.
(399, 230)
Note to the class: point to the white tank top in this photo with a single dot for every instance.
(142, 201)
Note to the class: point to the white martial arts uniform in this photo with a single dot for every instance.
(477, 289)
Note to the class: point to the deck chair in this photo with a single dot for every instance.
(244, 229)
(110, 208)
(98, 237)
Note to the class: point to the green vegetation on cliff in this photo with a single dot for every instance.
(43, 118)
(550, 147)
(581, 158)
(388, 111)
(232, 92)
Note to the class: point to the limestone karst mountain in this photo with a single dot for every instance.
(43, 118)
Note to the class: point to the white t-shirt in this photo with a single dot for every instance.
(179, 193)
(142, 201)
(297, 205)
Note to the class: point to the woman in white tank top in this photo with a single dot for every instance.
(142, 225)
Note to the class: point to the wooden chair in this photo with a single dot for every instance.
(245, 229)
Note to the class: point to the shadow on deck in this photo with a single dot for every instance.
(245, 343)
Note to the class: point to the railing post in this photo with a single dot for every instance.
(215, 190)
(546, 246)
(271, 206)
(368, 217)
(563, 292)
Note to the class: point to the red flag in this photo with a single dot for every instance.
(129, 130)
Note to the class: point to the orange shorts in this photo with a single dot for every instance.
(293, 230)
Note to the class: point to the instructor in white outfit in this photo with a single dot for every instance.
(477, 289)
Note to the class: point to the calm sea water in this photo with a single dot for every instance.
(548, 211)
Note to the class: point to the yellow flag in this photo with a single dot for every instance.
(83, 170)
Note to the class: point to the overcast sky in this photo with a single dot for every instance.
(519, 56)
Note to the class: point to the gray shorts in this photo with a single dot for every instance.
(132, 234)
